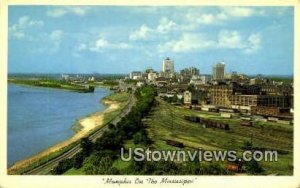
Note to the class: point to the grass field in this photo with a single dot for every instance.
(166, 122)
(74, 171)
(117, 97)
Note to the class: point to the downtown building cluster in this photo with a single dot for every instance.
(221, 91)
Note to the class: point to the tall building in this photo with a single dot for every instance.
(135, 75)
(219, 71)
(189, 71)
(168, 66)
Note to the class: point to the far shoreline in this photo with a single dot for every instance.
(41, 87)
(71, 88)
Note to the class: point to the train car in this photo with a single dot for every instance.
(227, 110)
(214, 124)
(246, 123)
(226, 115)
(175, 143)
(186, 117)
(246, 118)
(192, 118)
(206, 123)
(195, 119)
(226, 126)
(272, 119)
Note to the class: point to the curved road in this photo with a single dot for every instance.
(46, 167)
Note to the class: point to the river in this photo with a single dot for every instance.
(41, 117)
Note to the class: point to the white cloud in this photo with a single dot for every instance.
(100, 45)
(123, 46)
(61, 11)
(225, 40)
(81, 47)
(282, 10)
(56, 35)
(25, 22)
(49, 42)
(196, 18)
(234, 40)
(239, 11)
(254, 43)
(18, 30)
(165, 25)
(144, 32)
(229, 39)
(141, 33)
(187, 42)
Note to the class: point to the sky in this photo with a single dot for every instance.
(120, 39)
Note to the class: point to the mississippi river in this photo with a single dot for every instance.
(40, 117)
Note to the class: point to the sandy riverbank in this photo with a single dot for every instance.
(86, 125)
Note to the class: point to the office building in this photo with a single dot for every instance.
(168, 66)
(219, 71)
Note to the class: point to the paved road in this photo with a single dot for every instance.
(45, 168)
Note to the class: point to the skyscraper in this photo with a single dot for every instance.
(190, 71)
(168, 66)
(219, 71)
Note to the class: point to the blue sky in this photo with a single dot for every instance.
(120, 39)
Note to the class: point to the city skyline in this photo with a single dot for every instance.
(59, 39)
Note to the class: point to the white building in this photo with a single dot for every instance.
(205, 79)
(92, 79)
(135, 75)
(196, 80)
(187, 97)
(168, 66)
(152, 76)
(65, 77)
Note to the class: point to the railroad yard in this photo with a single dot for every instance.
(211, 131)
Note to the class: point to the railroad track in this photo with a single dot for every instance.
(45, 169)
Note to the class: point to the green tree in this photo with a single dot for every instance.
(253, 167)
(86, 145)
(96, 164)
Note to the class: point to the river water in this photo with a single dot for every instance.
(40, 117)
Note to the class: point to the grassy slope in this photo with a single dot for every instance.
(118, 97)
(74, 171)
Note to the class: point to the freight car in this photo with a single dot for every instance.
(192, 118)
(214, 124)
(207, 123)
(246, 123)
(175, 143)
